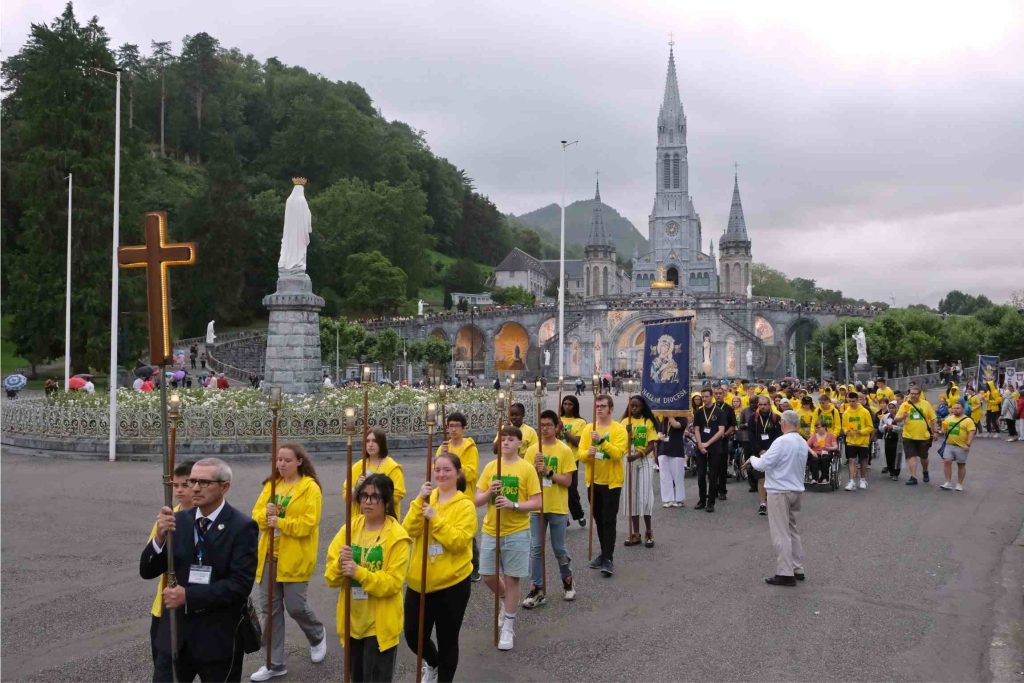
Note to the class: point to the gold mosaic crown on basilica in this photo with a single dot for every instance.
(298, 181)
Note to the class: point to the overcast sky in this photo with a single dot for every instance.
(880, 147)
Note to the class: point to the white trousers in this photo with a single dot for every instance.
(673, 472)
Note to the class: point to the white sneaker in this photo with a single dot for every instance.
(319, 651)
(863, 483)
(429, 673)
(507, 638)
(667, 505)
(851, 485)
(946, 486)
(265, 674)
(960, 488)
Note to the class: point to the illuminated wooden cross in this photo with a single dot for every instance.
(155, 256)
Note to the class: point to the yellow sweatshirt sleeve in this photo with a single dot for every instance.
(308, 518)
(332, 571)
(618, 442)
(413, 522)
(471, 464)
(390, 579)
(397, 476)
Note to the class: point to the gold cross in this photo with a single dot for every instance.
(155, 256)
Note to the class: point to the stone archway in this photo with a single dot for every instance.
(439, 333)
(673, 276)
(470, 350)
(511, 346)
(795, 347)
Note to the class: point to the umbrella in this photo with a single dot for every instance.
(15, 382)
(178, 375)
(84, 375)
(76, 383)
(144, 371)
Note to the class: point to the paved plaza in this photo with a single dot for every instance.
(903, 584)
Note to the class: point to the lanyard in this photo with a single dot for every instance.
(705, 411)
(764, 423)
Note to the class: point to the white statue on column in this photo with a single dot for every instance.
(547, 358)
(210, 336)
(750, 358)
(298, 223)
(419, 306)
(861, 340)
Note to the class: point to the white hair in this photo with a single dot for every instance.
(790, 417)
(223, 469)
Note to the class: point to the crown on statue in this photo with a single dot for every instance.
(298, 181)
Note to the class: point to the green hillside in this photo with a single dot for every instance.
(577, 226)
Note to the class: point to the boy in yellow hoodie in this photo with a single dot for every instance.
(376, 563)
(293, 517)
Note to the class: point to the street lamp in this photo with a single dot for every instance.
(112, 452)
(561, 267)
(67, 299)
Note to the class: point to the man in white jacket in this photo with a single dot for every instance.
(783, 465)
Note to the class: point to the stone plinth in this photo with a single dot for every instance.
(293, 338)
(862, 372)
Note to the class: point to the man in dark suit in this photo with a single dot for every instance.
(215, 561)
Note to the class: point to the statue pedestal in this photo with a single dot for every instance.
(293, 338)
(862, 372)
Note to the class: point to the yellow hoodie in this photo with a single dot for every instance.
(388, 467)
(607, 462)
(450, 552)
(298, 544)
(377, 607)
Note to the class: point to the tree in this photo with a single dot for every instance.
(447, 301)
(343, 336)
(463, 275)
(511, 296)
(958, 303)
(437, 353)
(160, 59)
(1006, 338)
(199, 64)
(386, 347)
(375, 286)
(129, 60)
(463, 305)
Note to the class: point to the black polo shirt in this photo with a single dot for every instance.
(707, 421)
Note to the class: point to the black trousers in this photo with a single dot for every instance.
(575, 507)
(723, 472)
(891, 454)
(819, 466)
(219, 670)
(444, 611)
(369, 663)
(606, 508)
(710, 465)
(992, 423)
(1011, 428)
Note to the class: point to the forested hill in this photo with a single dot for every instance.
(213, 136)
(578, 215)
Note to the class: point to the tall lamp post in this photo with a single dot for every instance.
(67, 298)
(112, 452)
(561, 268)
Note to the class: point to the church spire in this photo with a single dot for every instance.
(597, 233)
(671, 102)
(737, 228)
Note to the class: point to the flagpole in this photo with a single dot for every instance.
(112, 452)
(67, 298)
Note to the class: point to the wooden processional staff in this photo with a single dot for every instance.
(156, 256)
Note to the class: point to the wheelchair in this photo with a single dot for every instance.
(835, 468)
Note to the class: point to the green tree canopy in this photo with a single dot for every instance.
(375, 286)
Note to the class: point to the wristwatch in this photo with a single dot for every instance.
(515, 506)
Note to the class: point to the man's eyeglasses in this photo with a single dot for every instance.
(203, 483)
(371, 498)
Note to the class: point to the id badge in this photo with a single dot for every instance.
(599, 455)
(435, 549)
(359, 593)
(547, 483)
(707, 430)
(199, 575)
(764, 437)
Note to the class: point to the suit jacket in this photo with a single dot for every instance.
(208, 623)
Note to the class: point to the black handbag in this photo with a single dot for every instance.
(251, 631)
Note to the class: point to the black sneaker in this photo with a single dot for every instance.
(762, 509)
(912, 481)
(535, 598)
(926, 477)
(596, 562)
(474, 577)
(778, 580)
(583, 521)
(885, 470)
(607, 568)
(721, 496)
(710, 507)
(700, 506)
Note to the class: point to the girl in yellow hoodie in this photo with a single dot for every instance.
(453, 524)
(294, 519)
(377, 460)
(377, 563)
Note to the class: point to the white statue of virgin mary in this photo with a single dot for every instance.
(298, 223)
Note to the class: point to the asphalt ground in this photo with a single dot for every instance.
(903, 584)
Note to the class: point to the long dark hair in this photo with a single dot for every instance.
(385, 489)
(382, 441)
(460, 482)
(575, 406)
(645, 410)
(306, 468)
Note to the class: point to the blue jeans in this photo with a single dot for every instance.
(556, 525)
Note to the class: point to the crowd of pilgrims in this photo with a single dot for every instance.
(539, 496)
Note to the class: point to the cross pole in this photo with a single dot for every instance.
(156, 255)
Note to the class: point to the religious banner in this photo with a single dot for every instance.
(988, 371)
(666, 376)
